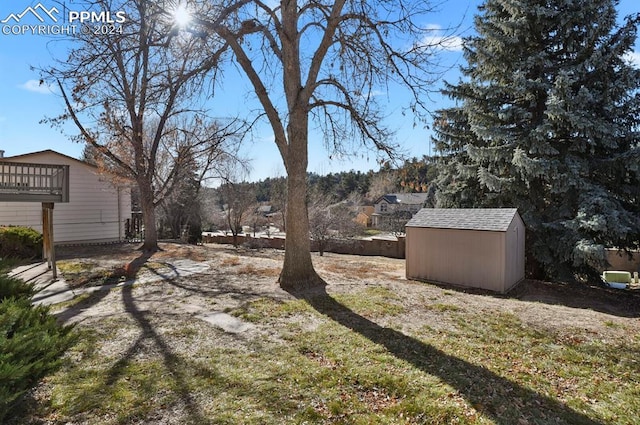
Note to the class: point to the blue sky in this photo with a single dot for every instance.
(24, 103)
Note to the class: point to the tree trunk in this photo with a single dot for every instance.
(150, 243)
(297, 271)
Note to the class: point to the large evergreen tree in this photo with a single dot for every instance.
(546, 120)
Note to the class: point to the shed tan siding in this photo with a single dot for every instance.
(435, 255)
(473, 247)
(94, 212)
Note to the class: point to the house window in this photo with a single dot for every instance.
(383, 207)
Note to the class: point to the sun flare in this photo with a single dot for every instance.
(181, 15)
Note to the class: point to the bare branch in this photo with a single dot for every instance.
(131, 97)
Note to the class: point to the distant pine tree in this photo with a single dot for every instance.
(547, 120)
(182, 207)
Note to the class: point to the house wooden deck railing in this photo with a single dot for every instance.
(23, 182)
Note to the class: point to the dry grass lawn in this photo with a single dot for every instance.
(370, 348)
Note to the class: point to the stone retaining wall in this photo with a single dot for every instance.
(381, 247)
(619, 260)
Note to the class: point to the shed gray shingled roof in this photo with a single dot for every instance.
(488, 219)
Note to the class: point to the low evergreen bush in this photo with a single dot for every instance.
(7, 264)
(20, 242)
(31, 343)
(12, 287)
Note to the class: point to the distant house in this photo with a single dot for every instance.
(364, 215)
(473, 247)
(397, 204)
(96, 211)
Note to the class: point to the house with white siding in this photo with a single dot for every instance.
(97, 207)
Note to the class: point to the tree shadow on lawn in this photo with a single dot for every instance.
(617, 302)
(130, 269)
(216, 285)
(496, 397)
(173, 363)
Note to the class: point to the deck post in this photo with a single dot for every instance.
(45, 183)
(48, 239)
(45, 236)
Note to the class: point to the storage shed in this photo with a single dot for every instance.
(472, 247)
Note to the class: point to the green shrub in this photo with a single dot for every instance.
(7, 264)
(31, 343)
(12, 287)
(20, 242)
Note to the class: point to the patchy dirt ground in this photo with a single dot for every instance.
(228, 277)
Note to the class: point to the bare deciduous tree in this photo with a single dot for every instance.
(278, 199)
(324, 61)
(395, 222)
(134, 98)
(239, 198)
(381, 184)
(258, 220)
(330, 222)
(320, 224)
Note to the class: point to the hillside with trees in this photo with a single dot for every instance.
(412, 176)
(353, 188)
